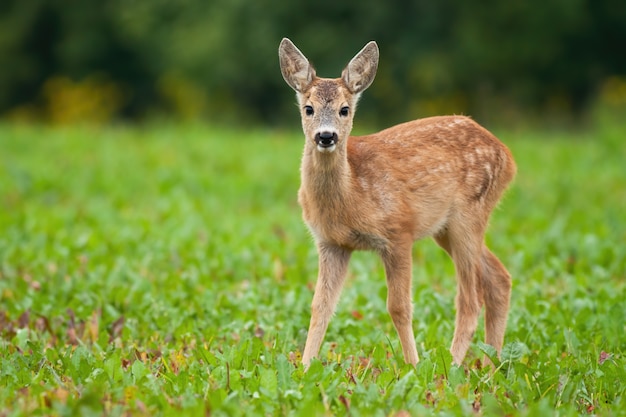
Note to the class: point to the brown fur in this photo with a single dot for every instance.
(439, 177)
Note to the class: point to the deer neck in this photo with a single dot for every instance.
(326, 176)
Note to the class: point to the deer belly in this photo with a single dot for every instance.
(349, 238)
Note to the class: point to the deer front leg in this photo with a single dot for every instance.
(400, 299)
(333, 265)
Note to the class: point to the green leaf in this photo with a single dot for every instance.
(139, 370)
(269, 381)
(490, 352)
(284, 370)
(514, 351)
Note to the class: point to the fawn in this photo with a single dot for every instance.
(438, 176)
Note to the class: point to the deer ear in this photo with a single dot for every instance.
(296, 69)
(360, 72)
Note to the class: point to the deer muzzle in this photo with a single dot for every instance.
(326, 141)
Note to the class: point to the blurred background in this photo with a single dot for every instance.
(102, 61)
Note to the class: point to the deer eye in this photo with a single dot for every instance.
(308, 110)
(344, 111)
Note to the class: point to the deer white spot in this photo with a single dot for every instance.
(487, 153)
(364, 184)
(327, 149)
(441, 169)
(455, 122)
(488, 170)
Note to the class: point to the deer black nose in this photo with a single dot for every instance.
(326, 139)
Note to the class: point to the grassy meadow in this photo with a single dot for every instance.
(165, 270)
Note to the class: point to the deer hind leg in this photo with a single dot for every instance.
(333, 265)
(464, 246)
(496, 289)
(399, 299)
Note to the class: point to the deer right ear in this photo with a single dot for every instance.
(296, 69)
(360, 72)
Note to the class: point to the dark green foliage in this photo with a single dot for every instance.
(217, 59)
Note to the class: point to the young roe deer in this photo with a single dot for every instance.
(438, 176)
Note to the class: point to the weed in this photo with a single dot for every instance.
(166, 271)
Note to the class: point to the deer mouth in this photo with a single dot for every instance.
(326, 141)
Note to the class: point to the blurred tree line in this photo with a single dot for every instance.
(64, 61)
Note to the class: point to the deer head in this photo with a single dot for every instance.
(327, 105)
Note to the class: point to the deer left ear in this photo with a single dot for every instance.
(360, 72)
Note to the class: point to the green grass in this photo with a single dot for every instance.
(166, 271)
